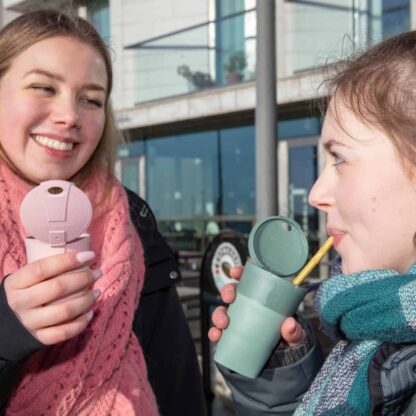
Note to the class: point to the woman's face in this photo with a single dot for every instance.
(368, 196)
(52, 102)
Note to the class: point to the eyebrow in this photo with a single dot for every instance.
(53, 75)
(327, 145)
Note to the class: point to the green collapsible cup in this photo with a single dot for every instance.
(264, 298)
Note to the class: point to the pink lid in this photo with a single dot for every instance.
(56, 212)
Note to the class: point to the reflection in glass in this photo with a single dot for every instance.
(131, 175)
(315, 31)
(204, 55)
(298, 127)
(303, 171)
(99, 15)
(182, 175)
(222, 51)
(386, 18)
(321, 32)
(238, 171)
(395, 17)
(201, 183)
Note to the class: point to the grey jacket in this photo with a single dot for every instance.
(278, 391)
(280, 387)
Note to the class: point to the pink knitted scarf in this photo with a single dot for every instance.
(102, 371)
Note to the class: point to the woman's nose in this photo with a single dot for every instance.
(66, 112)
(321, 195)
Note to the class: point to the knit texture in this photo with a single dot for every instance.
(102, 371)
(364, 310)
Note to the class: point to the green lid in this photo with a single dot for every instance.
(278, 245)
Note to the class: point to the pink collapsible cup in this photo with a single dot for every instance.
(56, 215)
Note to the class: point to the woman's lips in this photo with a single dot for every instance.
(62, 154)
(337, 235)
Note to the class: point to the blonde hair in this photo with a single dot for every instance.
(32, 27)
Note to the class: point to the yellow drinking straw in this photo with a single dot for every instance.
(310, 265)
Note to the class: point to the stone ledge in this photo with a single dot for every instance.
(215, 101)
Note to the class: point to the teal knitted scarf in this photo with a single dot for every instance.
(364, 310)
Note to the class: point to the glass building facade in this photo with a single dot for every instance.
(199, 183)
(202, 182)
(221, 51)
(210, 54)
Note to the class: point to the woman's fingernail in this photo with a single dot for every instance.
(84, 256)
(89, 315)
(96, 293)
(96, 274)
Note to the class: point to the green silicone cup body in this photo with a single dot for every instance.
(263, 301)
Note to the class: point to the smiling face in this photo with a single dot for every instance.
(367, 194)
(52, 108)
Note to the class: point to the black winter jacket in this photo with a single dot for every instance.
(159, 324)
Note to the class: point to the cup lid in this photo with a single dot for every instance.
(56, 212)
(278, 244)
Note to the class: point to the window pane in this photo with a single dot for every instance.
(130, 174)
(315, 31)
(182, 175)
(238, 171)
(204, 55)
(99, 14)
(396, 17)
(387, 18)
(131, 149)
(303, 171)
(299, 127)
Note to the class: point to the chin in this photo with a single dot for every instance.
(47, 176)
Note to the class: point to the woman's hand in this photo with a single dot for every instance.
(53, 297)
(292, 332)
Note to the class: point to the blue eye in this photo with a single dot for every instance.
(337, 159)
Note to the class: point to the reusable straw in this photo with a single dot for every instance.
(312, 263)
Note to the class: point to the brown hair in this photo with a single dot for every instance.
(379, 86)
(38, 25)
